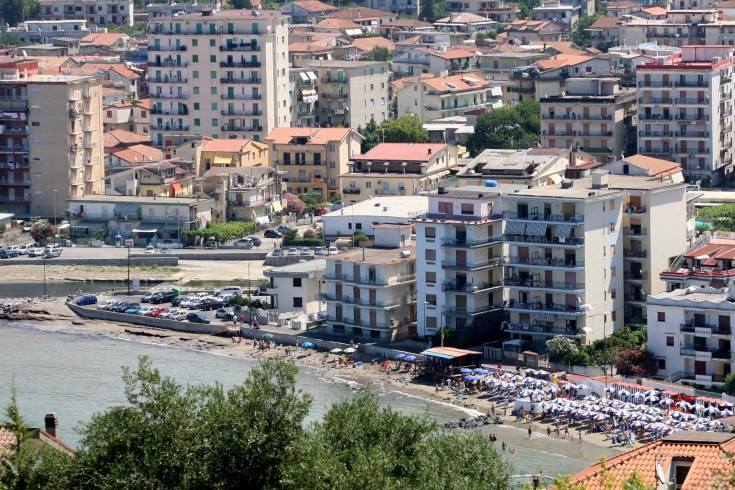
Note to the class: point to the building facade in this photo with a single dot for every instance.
(99, 12)
(222, 74)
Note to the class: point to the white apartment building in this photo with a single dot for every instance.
(222, 74)
(50, 140)
(99, 12)
(303, 95)
(297, 289)
(436, 98)
(352, 92)
(371, 215)
(371, 292)
(593, 114)
(497, 10)
(460, 255)
(690, 333)
(685, 111)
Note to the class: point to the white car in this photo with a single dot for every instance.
(150, 250)
(168, 314)
(179, 316)
(144, 311)
(105, 304)
(165, 250)
(333, 250)
(293, 251)
(35, 252)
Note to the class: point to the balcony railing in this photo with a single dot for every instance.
(539, 329)
(538, 284)
(692, 83)
(543, 262)
(636, 276)
(351, 190)
(470, 287)
(239, 64)
(240, 47)
(691, 117)
(472, 265)
(689, 100)
(372, 281)
(169, 80)
(242, 128)
(169, 127)
(635, 254)
(541, 239)
(460, 217)
(241, 96)
(14, 148)
(131, 216)
(630, 231)
(630, 209)
(464, 243)
(180, 96)
(706, 328)
(551, 218)
(655, 133)
(170, 112)
(366, 301)
(574, 116)
(653, 83)
(166, 48)
(537, 306)
(247, 80)
(477, 310)
(164, 63)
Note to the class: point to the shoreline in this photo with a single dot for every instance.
(55, 313)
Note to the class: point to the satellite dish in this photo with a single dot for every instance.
(660, 473)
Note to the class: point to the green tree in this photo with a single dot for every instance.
(561, 349)
(580, 36)
(358, 442)
(15, 12)
(311, 200)
(431, 10)
(370, 135)
(241, 4)
(504, 128)
(729, 386)
(406, 129)
(378, 53)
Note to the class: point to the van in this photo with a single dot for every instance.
(24, 249)
(228, 290)
(51, 252)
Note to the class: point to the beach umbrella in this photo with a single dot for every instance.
(610, 389)
(336, 351)
(711, 411)
(350, 350)
(465, 371)
(477, 370)
(553, 389)
(410, 358)
(401, 356)
(727, 405)
(637, 424)
(582, 386)
(526, 393)
(118, 236)
(623, 392)
(653, 392)
(307, 345)
(666, 401)
(651, 399)
(726, 412)
(683, 404)
(471, 378)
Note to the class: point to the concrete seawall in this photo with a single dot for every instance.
(145, 321)
(166, 260)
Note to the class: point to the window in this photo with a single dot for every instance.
(297, 282)
(669, 341)
(212, 42)
(196, 90)
(195, 42)
(197, 122)
(213, 75)
(661, 316)
(445, 207)
(35, 123)
(213, 90)
(431, 322)
(195, 74)
(215, 122)
(431, 299)
(213, 57)
(430, 277)
(195, 58)
(368, 185)
(467, 208)
(429, 232)
(214, 106)
(196, 106)
(661, 363)
(298, 302)
(109, 113)
(430, 254)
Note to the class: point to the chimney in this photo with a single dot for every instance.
(428, 151)
(51, 423)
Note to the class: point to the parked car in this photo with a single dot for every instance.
(165, 250)
(87, 299)
(133, 310)
(4, 254)
(193, 303)
(333, 250)
(23, 249)
(10, 252)
(35, 252)
(144, 310)
(211, 303)
(277, 252)
(154, 313)
(272, 234)
(197, 318)
(283, 228)
(150, 249)
(293, 251)
(162, 297)
(180, 316)
(146, 298)
(244, 243)
(223, 313)
(179, 299)
(51, 252)
(167, 313)
(124, 305)
(319, 251)
(105, 304)
(257, 242)
(228, 290)
(305, 251)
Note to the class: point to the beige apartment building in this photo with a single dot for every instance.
(352, 92)
(50, 140)
(99, 12)
(312, 159)
(685, 111)
(218, 73)
(593, 114)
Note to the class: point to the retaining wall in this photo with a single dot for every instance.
(138, 260)
(286, 260)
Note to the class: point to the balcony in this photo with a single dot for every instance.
(330, 94)
(170, 112)
(546, 218)
(692, 83)
(351, 190)
(544, 263)
(518, 283)
(13, 130)
(228, 112)
(372, 281)
(657, 101)
(692, 117)
(460, 217)
(178, 96)
(635, 232)
(692, 134)
(691, 101)
(705, 329)
(88, 145)
(248, 80)
(563, 242)
(654, 83)
(14, 182)
(231, 128)
(335, 80)
(241, 96)
(464, 243)
(538, 307)
(13, 148)
(468, 266)
(240, 47)
(239, 64)
(168, 80)
(656, 117)
(169, 127)
(634, 298)
(703, 353)
(574, 116)
(131, 216)
(635, 254)
(478, 310)
(166, 48)
(368, 303)
(470, 287)
(655, 134)
(525, 328)
(636, 276)
(630, 209)
(165, 63)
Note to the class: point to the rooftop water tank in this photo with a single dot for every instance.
(491, 183)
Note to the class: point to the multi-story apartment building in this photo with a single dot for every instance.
(302, 86)
(351, 93)
(399, 169)
(160, 10)
(312, 159)
(371, 292)
(460, 256)
(435, 98)
(99, 12)
(222, 74)
(296, 290)
(405, 8)
(685, 111)
(594, 114)
(497, 10)
(50, 140)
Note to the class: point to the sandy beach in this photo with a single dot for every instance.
(592, 447)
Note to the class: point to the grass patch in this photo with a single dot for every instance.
(156, 268)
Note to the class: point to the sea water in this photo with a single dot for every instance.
(76, 373)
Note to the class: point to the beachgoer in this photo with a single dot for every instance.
(492, 409)
(529, 432)
(580, 437)
(503, 446)
(548, 431)
(566, 432)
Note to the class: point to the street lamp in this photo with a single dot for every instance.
(55, 194)
(128, 271)
(43, 259)
(250, 315)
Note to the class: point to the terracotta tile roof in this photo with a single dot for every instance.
(457, 83)
(622, 5)
(337, 24)
(718, 248)
(223, 145)
(406, 23)
(729, 4)
(463, 18)
(308, 47)
(360, 13)
(562, 47)
(402, 81)
(143, 103)
(103, 38)
(707, 452)
(562, 60)
(7, 439)
(366, 44)
(318, 136)
(120, 137)
(138, 154)
(656, 167)
(403, 152)
(527, 25)
(124, 71)
(606, 23)
(662, 11)
(313, 6)
(453, 54)
(409, 41)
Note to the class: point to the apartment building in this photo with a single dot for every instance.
(593, 114)
(690, 333)
(351, 93)
(218, 73)
(50, 140)
(436, 98)
(497, 10)
(99, 12)
(685, 111)
(371, 292)
(405, 8)
(302, 85)
(460, 254)
(296, 290)
(399, 169)
(678, 28)
(230, 153)
(312, 159)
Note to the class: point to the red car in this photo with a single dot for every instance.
(154, 313)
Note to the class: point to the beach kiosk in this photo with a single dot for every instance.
(448, 362)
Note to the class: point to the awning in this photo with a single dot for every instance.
(277, 206)
(515, 228)
(496, 92)
(304, 76)
(147, 228)
(536, 229)
(306, 91)
(222, 159)
(555, 178)
(176, 187)
(563, 230)
(262, 220)
(89, 224)
(311, 75)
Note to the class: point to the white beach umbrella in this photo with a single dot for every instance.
(666, 401)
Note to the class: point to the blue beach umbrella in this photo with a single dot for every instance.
(307, 345)
(400, 356)
(465, 370)
(410, 358)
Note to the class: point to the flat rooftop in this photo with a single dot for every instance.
(582, 188)
(513, 162)
(375, 255)
(304, 268)
(473, 192)
(345, 64)
(384, 206)
(139, 199)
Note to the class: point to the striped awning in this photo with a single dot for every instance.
(536, 229)
(563, 230)
(515, 228)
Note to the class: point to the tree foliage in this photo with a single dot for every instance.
(722, 218)
(729, 386)
(42, 230)
(635, 362)
(223, 232)
(378, 53)
(15, 12)
(431, 10)
(507, 128)
(561, 349)
(294, 205)
(370, 135)
(405, 129)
